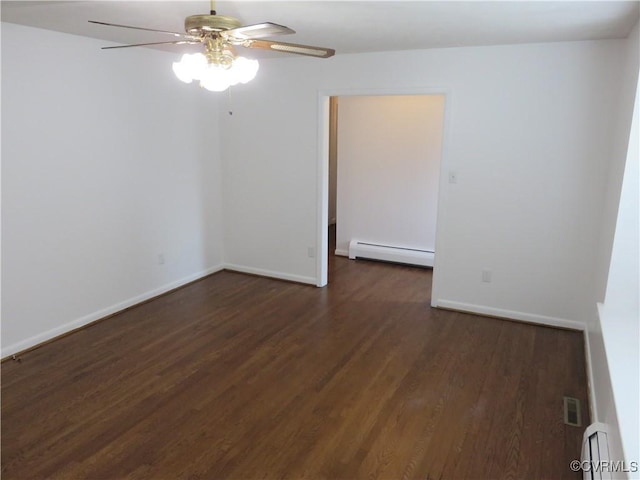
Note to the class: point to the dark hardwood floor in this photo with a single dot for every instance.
(242, 377)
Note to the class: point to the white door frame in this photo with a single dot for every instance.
(322, 220)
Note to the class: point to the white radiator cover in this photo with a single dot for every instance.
(595, 451)
(389, 253)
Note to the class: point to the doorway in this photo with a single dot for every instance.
(385, 189)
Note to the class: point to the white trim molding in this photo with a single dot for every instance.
(270, 273)
(510, 314)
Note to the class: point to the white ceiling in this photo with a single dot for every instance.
(347, 26)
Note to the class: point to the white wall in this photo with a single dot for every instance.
(620, 313)
(619, 125)
(528, 137)
(613, 338)
(389, 152)
(107, 162)
(269, 184)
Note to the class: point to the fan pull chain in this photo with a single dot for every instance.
(229, 100)
(213, 7)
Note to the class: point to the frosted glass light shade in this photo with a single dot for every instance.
(190, 67)
(215, 78)
(244, 69)
(182, 72)
(212, 76)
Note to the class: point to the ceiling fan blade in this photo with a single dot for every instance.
(258, 30)
(308, 50)
(177, 42)
(175, 34)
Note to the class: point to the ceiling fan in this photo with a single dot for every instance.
(219, 67)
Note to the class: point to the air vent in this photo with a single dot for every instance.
(572, 413)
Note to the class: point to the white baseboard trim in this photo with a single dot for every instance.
(511, 314)
(105, 312)
(270, 273)
(342, 253)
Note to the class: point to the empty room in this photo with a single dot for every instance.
(187, 290)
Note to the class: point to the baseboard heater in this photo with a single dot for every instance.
(388, 253)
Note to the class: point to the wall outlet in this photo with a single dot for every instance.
(311, 252)
(161, 259)
(453, 177)
(486, 276)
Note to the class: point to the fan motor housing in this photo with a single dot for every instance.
(199, 24)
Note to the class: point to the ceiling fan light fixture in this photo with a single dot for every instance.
(217, 78)
(218, 67)
(216, 73)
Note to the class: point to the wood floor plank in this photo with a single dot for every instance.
(242, 377)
